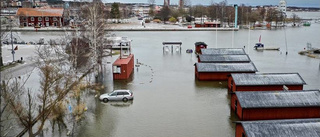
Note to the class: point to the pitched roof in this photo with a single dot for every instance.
(226, 67)
(36, 12)
(245, 79)
(282, 128)
(279, 99)
(224, 51)
(224, 58)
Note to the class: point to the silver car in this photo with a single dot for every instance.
(122, 94)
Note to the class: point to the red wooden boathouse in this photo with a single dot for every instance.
(265, 82)
(123, 67)
(267, 105)
(278, 128)
(199, 46)
(221, 71)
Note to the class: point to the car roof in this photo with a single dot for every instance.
(119, 90)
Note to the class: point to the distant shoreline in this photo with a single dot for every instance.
(29, 29)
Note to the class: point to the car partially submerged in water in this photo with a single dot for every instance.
(117, 95)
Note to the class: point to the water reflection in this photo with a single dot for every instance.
(118, 103)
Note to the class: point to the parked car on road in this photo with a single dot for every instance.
(157, 20)
(117, 95)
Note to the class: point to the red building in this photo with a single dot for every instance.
(40, 17)
(223, 51)
(199, 46)
(208, 25)
(123, 67)
(265, 82)
(221, 71)
(224, 59)
(268, 105)
(278, 128)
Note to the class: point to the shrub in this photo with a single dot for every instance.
(172, 19)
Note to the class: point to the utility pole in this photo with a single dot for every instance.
(12, 51)
(217, 27)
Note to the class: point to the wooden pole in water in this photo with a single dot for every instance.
(285, 34)
(232, 37)
(249, 38)
(171, 48)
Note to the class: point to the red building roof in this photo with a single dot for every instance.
(35, 12)
(120, 61)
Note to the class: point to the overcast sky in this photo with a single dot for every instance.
(300, 3)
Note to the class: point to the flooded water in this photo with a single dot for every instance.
(170, 102)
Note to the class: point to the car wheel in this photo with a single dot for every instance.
(125, 99)
(105, 100)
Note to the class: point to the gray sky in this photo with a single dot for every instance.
(300, 3)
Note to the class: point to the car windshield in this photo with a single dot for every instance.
(112, 94)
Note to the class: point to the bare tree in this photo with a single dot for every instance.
(152, 6)
(152, 2)
(212, 11)
(94, 26)
(295, 18)
(4, 33)
(254, 16)
(164, 13)
(58, 81)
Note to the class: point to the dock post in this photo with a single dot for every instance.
(171, 48)
(163, 49)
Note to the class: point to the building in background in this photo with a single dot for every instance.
(282, 6)
(40, 17)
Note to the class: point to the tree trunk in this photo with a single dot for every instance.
(1, 61)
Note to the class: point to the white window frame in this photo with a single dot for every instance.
(55, 19)
(32, 18)
(117, 69)
(46, 18)
(39, 18)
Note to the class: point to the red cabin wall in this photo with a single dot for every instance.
(123, 73)
(130, 67)
(215, 75)
(239, 108)
(233, 100)
(239, 130)
(280, 113)
(230, 83)
(126, 70)
(196, 74)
